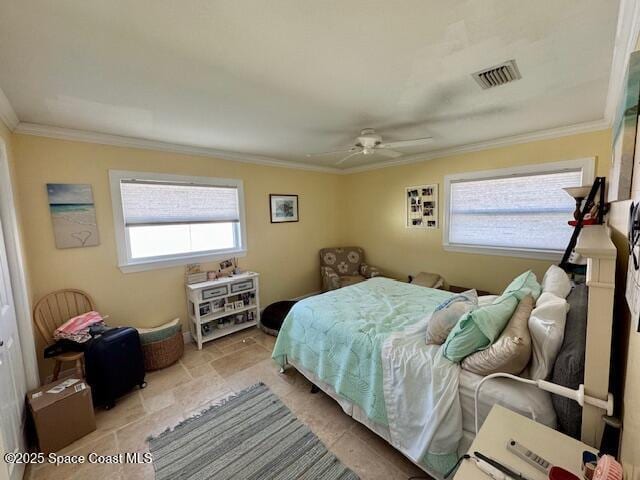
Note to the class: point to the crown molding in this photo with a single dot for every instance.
(549, 134)
(134, 142)
(7, 113)
(627, 32)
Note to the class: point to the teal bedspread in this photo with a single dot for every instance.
(338, 335)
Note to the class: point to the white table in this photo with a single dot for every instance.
(502, 425)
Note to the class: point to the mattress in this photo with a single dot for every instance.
(527, 400)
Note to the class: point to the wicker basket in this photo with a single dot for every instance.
(163, 353)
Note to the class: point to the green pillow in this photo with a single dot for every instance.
(523, 285)
(478, 329)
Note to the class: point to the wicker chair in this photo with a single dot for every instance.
(52, 311)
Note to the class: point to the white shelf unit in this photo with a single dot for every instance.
(205, 305)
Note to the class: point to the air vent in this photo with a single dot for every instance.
(497, 75)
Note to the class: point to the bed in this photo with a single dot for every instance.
(336, 340)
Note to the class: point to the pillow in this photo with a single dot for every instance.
(568, 369)
(156, 334)
(523, 285)
(556, 281)
(447, 314)
(478, 329)
(512, 351)
(546, 324)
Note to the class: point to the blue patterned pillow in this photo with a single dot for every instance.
(447, 314)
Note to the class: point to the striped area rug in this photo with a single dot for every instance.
(252, 435)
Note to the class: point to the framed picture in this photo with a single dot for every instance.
(283, 208)
(229, 307)
(73, 215)
(422, 206)
(239, 304)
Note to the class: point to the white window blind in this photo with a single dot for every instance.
(519, 212)
(160, 203)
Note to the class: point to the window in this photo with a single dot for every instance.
(521, 211)
(165, 220)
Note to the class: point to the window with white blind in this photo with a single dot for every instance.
(520, 211)
(164, 220)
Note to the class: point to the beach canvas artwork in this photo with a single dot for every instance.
(73, 215)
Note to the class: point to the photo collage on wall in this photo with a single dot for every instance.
(422, 206)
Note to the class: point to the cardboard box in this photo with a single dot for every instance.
(62, 412)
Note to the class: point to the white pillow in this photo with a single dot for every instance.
(546, 325)
(447, 314)
(556, 281)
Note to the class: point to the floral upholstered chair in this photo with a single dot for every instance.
(344, 266)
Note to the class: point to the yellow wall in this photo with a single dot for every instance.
(284, 254)
(365, 209)
(376, 211)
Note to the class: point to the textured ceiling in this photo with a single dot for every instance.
(288, 77)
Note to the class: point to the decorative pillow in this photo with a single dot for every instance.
(156, 334)
(546, 324)
(523, 285)
(568, 369)
(447, 314)
(556, 281)
(512, 351)
(478, 329)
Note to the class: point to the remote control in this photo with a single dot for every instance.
(528, 456)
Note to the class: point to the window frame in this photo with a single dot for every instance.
(585, 165)
(127, 264)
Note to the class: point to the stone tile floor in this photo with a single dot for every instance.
(202, 378)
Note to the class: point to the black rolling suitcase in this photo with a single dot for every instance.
(114, 365)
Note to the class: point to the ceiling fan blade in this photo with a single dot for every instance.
(331, 153)
(407, 143)
(348, 157)
(385, 152)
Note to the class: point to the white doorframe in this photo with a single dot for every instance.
(17, 271)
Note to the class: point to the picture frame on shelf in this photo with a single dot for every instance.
(229, 307)
(283, 208)
(238, 304)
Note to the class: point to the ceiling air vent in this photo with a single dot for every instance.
(497, 75)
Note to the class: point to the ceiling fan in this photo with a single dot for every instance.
(369, 142)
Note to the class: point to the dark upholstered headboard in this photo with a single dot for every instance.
(568, 370)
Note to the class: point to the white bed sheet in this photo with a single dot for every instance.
(519, 397)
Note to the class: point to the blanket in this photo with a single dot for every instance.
(421, 398)
(339, 337)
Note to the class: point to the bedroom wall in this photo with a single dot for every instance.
(376, 211)
(284, 254)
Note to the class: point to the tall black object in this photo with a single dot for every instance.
(596, 188)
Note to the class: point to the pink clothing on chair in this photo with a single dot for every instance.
(77, 328)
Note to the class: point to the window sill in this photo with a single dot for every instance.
(552, 255)
(167, 262)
